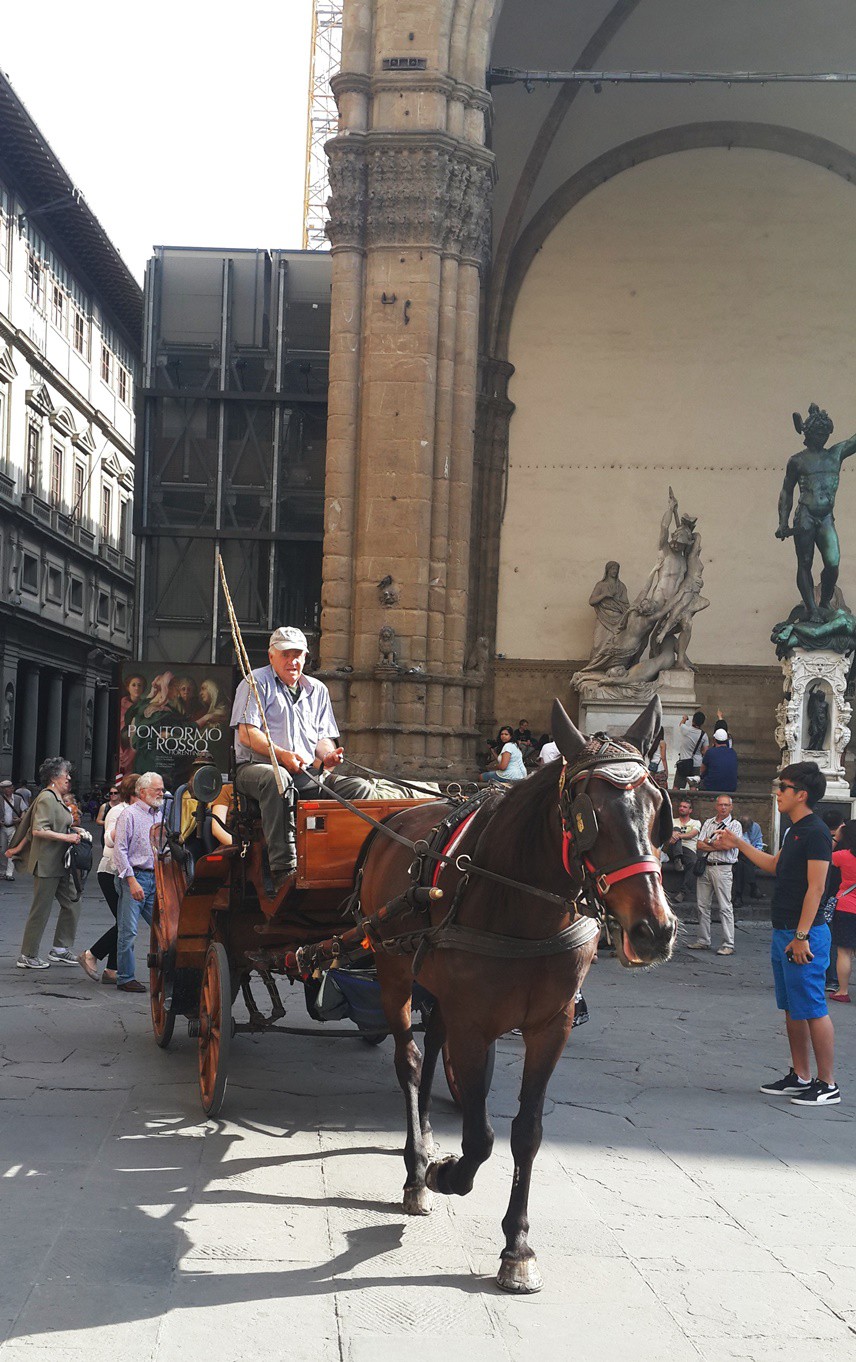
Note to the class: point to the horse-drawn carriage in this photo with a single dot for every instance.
(491, 905)
(218, 920)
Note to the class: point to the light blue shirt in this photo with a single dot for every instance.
(297, 725)
(752, 833)
(516, 769)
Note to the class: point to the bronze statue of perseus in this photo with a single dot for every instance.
(816, 470)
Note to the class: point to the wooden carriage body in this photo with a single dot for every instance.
(217, 921)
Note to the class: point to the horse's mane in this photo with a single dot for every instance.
(521, 830)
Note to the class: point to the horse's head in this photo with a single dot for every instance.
(614, 818)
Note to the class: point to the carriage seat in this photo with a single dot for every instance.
(195, 844)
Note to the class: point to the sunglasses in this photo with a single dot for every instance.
(783, 785)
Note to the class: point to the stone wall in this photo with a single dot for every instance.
(747, 696)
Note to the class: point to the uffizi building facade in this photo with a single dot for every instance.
(549, 306)
(70, 316)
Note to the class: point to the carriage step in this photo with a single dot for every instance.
(193, 1028)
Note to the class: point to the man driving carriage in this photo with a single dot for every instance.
(304, 735)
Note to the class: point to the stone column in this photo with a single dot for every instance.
(73, 722)
(28, 718)
(411, 187)
(101, 736)
(493, 419)
(53, 723)
(8, 705)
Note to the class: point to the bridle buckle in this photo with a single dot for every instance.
(601, 884)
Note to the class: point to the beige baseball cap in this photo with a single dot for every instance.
(287, 637)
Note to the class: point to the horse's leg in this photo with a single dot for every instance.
(435, 1037)
(408, 1068)
(519, 1268)
(454, 1176)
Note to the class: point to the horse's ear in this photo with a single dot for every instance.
(566, 735)
(643, 733)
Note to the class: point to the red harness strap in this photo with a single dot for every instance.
(452, 846)
(647, 865)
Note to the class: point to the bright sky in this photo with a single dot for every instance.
(183, 123)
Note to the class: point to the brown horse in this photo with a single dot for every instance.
(589, 820)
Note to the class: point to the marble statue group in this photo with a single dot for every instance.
(636, 642)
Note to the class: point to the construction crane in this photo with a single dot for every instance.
(323, 118)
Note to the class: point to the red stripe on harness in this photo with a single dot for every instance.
(452, 846)
(648, 865)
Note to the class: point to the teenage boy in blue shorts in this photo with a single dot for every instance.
(801, 939)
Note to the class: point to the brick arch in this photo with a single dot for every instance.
(686, 137)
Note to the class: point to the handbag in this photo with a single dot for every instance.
(831, 903)
(78, 862)
(686, 765)
(700, 863)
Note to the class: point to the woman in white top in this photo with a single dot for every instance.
(120, 797)
(508, 765)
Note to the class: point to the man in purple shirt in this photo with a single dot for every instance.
(134, 859)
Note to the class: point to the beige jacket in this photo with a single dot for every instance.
(46, 857)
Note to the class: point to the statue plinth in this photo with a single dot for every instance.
(813, 719)
(610, 705)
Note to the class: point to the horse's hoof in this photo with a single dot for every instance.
(435, 1171)
(520, 1276)
(417, 1201)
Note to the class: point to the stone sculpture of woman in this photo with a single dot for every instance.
(610, 602)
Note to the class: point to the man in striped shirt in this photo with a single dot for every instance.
(304, 734)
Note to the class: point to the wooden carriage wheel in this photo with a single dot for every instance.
(160, 1000)
(215, 1028)
(450, 1073)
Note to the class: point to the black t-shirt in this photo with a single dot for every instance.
(809, 839)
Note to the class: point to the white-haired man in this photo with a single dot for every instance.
(134, 859)
(304, 733)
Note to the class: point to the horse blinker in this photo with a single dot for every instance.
(583, 823)
(665, 821)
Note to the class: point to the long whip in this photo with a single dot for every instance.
(247, 673)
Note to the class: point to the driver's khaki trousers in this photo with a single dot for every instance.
(258, 780)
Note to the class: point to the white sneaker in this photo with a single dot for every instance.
(31, 962)
(61, 955)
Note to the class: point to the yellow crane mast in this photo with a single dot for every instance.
(322, 121)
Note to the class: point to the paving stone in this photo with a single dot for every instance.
(673, 1209)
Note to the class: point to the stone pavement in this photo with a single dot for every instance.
(676, 1212)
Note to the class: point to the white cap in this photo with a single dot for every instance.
(7, 782)
(287, 637)
(720, 735)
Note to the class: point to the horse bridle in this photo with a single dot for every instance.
(579, 820)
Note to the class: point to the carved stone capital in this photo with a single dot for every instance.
(348, 175)
(410, 189)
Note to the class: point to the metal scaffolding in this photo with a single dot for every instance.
(323, 118)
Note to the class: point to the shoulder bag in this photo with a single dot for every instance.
(686, 765)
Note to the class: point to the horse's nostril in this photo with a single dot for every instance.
(645, 929)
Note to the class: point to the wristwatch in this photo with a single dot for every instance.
(800, 936)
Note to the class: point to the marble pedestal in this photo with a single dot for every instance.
(802, 671)
(611, 706)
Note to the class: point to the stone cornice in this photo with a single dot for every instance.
(426, 189)
(431, 82)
